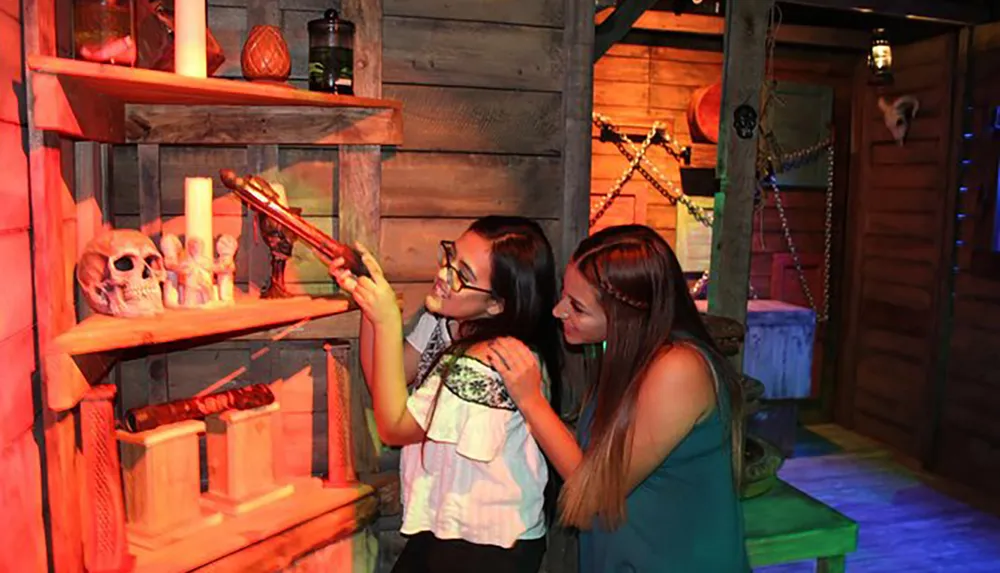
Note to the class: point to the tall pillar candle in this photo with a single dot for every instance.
(198, 211)
(190, 53)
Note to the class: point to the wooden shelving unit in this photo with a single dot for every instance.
(101, 333)
(112, 104)
(73, 105)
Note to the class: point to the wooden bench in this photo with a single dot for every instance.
(786, 525)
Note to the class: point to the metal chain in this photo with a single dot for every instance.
(821, 315)
(789, 161)
(670, 192)
(616, 189)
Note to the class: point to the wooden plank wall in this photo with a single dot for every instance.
(22, 544)
(899, 216)
(642, 83)
(968, 436)
(481, 88)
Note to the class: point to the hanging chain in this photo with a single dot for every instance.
(616, 189)
(821, 314)
(669, 191)
(636, 155)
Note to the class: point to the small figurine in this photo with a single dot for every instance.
(172, 250)
(196, 275)
(225, 267)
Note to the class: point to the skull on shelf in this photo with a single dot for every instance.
(120, 273)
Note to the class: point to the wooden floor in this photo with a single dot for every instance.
(905, 525)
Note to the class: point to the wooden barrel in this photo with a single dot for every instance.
(703, 113)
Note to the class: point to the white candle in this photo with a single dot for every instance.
(198, 211)
(189, 38)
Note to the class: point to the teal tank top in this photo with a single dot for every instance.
(685, 517)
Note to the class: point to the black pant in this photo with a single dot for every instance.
(425, 553)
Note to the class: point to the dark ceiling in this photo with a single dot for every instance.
(900, 29)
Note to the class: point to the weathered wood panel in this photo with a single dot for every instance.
(227, 125)
(547, 13)
(22, 545)
(520, 57)
(14, 184)
(969, 434)
(899, 217)
(479, 120)
(469, 185)
(409, 246)
(12, 93)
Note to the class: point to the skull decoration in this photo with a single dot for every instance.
(120, 273)
(744, 121)
(898, 115)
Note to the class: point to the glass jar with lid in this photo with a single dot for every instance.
(331, 54)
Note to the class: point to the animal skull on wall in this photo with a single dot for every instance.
(120, 273)
(898, 115)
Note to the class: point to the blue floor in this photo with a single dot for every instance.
(904, 525)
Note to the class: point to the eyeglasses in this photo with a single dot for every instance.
(456, 282)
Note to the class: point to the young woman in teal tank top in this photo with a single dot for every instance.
(651, 474)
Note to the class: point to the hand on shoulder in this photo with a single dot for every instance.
(517, 365)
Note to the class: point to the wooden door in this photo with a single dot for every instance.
(897, 245)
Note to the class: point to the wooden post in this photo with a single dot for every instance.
(262, 160)
(154, 374)
(578, 106)
(359, 169)
(743, 70)
(54, 313)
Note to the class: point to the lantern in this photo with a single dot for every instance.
(880, 56)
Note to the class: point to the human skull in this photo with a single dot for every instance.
(120, 273)
(898, 115)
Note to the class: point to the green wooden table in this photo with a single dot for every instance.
(786, 525)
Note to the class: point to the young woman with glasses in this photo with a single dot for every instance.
(473, 478)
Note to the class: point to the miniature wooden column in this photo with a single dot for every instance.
(340, 453)
(241, 460)
(104, 545)
(163, 484)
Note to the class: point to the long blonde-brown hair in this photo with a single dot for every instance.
(644, 295)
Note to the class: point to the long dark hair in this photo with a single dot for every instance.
(644, 294)
(523, 278)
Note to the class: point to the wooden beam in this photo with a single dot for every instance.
(659, 21)
(743, 72)
(578, 105)
(282, 125)
(945, 11)
(614, 27)
(359, 172)
(962, 121)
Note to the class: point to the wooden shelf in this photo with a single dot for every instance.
(278, 532)
(113, 104)
(101, 333)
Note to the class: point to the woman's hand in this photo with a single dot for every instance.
(521, 372)
(374, 295)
